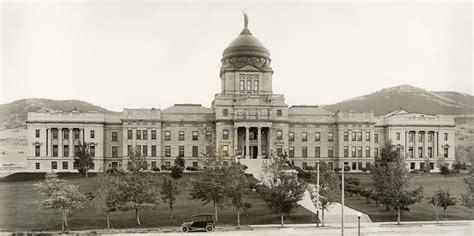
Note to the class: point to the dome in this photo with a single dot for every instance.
(246, 45)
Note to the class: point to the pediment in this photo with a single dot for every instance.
(250, 68)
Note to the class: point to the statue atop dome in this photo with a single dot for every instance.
(246, 20)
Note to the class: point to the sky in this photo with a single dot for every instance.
(155, 54)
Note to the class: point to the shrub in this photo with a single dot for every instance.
(364, 170)
(352, 181)
(155, 169)
(177, 172)
(347, 168)
(337, 169)
(190, 168)
(444, 169)
(459, 166)
(163, 167)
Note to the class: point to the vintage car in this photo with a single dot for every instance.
(200, 222)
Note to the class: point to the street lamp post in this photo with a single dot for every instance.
(358, 223)
(342, 200)
(317, 197)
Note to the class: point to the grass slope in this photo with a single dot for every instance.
(421, 211)
(20, 210)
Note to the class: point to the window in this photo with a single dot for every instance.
(181, 135)
(420, 152)
(76, 134)
(367, 136)
(208, 134)
(331, 165)
(420, 138)
(291, 136)
(153, 150)
(359, 136)
(114, 136)
(304, 151)
(367, 151)
(304, 165)
(225, 112)
(346, 136)
(255, 85)
(145, 134)
(410, 152)
(242, 85)
(37, 165)
(249, 85)
(354, 165)
(279, 150)
(139, 134)
(92, 151)
(153, 134)
(55, 150)
(65, 150)
(431, 165)
(66, 134)
(139, 149)
(317, 136)
(167, 151)
(225, 134)
(445, 152)
(181, 151)
(317, 152)
(195, 151)
(376, 138)
(65, 165)
(359, 165)
(195, 135)
(430, 152)
(398, 136)
(37, 151)
(304, 136)
(330, 151)
(55, 134)
(54, 165)
(367, 165)
(225, 150)
(167, 164)
(430, 137)
(279, 113)
(153, 164)
(412, 165)
(353, 136)
(422, 165)
(145, 150)
(129, 134)
(129, 150)
(359, 151)
(354, 151)
(279, 135)
(92, 134)
(376, 152)
(445, 136)
(195, 164)
(37, 133)
(114, 151)
(346, 151)
(167, 135)
(330, 136)
(411, 136)
(291, 151)
(76, 150)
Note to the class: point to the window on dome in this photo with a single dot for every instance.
(249, 85)
(255, 85)
(242, 85)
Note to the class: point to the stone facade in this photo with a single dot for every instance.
(245, 122)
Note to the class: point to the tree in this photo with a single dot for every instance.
(212, 184)
(83, 160)
(443, 199)
(178, 168)
(427, 165)
(237, 186)
(468, 198)
(135, 187)
(392, 182)
(60, 195)
(169, 191)
(329, 189)
(281, 192)
(108, 194)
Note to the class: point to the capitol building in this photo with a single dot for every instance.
(246, 121)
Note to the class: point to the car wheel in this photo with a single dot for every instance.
(184, 229)
(209, 228)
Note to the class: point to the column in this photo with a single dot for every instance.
(436, 143)
(81, 135)
(269, 143)
(259, 142)
(415, 148)
(236, 140)
(71, 143)
(48, 142)
(247, 143)
(406, 143)
(149, 142)
(60, 142)
(425, 144)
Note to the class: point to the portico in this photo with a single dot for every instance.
(252, 140)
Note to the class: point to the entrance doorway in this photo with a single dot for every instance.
(253, 152)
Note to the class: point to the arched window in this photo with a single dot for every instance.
(242, 85)
(249, 85)
(255, 85)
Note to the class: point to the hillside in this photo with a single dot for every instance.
(410, 98)
(14, 114)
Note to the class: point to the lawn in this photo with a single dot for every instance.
(421, 211)
(20, 209)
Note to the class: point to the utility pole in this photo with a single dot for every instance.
(317, 197)
(342, 201)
